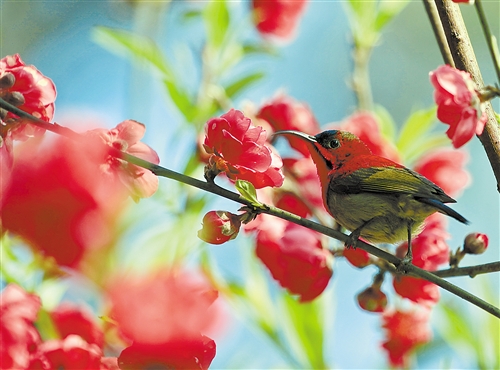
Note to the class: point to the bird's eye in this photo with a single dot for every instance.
(333, 144)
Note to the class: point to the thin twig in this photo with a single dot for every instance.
(490, 39)
(273, 211)
(471, 271)
(437, 27)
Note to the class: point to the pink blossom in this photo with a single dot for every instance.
(277, 17)
(445, 168)
(28, 89)
(458, 104)
(285, 113)
(141, 183)
(239, 149)
(405, 330)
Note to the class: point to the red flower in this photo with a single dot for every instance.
(475, 243)
(304, 172)
(18, 336)
(109, 363)
(219, 227)
(429, 252)
(70, 319)
(238, 149)
(404, 332)
(284, 113)
(277, 17)
(32, 92)
(291, 202)
(372, 299)
(126, 137)
(196, 353)
(57, 202)
(295, 257)
(417, 290)
(445, 168)
(6, 161)
(365, 126)
(430, 249)
(70, 353)
(163, 307)
(357, 257)
(458, 104)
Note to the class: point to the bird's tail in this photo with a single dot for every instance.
(443, 208)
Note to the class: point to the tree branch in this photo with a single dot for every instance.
(465, 59)
(437, 27)
(490, 39)
(215, 189)
(471, 271)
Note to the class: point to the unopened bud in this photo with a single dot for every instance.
(7, 80)
(475, 243)
(15, 98)
(219, 227)
(372, 299)
(357, 257)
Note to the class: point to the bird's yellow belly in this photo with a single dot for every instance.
(390, 214)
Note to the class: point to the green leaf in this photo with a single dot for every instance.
(123, 42)
(247, 191)
(387, 11)
(425, 145)
(416, 127)
(362, 9)
(181, 99)
(476, 331)
(266, 48)
(191, 15)
(304, 330)
(237, 86)
(216, 17)
(387, 124)
(46, 326)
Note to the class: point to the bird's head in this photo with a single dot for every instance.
(331, 148)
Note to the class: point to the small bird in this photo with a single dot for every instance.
(372, 196)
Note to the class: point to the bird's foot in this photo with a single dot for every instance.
(403, 265)
(351, 240)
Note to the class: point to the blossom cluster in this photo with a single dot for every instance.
(61, 195)
(296, 257)
(62, 198)
(166, 332)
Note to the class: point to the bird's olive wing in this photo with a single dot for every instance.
(388, 180)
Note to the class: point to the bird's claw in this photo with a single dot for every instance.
(351, 241)
(403, 265)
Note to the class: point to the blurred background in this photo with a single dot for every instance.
(99, 87)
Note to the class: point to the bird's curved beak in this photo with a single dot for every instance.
(302, 135)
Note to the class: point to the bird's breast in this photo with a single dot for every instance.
(389, 214)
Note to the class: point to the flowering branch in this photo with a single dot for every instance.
(262, 208)
(465, 59)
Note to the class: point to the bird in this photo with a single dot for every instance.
(373, 197)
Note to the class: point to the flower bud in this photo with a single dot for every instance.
(7, 80)
(475, 243)
(219, 227)
(357, 257)
(372, 299)
(15, 98)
